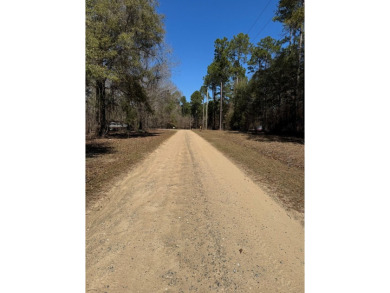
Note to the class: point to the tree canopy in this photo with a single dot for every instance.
(128, 70)
(196, 107)
(125, 59)
(272, 95)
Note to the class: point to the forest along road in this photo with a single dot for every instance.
(186, 219)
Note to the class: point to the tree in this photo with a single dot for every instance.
(205, 95)
(185, 106)
(262, 54)
(274, 96)
(292, 14)
(223, 69)
(121, 38)
(196, 107)
(238, 51)
(211, 81)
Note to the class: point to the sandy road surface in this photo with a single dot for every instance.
(188, 220)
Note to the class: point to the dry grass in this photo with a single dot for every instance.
(276, 163)
(107, 159)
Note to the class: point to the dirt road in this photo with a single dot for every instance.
(188, 220)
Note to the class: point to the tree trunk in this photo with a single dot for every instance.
(220, 110)
(214, 108)
(203, 112)
(101, 113)
(140, 117)
(207, 105)
(265, 113)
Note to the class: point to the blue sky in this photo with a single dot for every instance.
(192, 26)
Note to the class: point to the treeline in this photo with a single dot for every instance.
(273, 96)
(128, 71)
(127, 67)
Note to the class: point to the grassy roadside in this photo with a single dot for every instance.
(275, 163)
(108, 158)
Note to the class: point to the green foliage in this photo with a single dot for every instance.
(262, 54)
(291, 13)
(211, 79)
(242, 101)
(238, 51)
(222, 67)
(130, 114)
(274, 96)
(196, 106)
(185, 106)
(203, 91)
(122, 40)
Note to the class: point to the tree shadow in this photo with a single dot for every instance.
(95, 149)
(131, 134)
(264, 137)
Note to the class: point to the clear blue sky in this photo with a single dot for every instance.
(192, 26)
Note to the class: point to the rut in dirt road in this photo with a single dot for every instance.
(188, 220)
